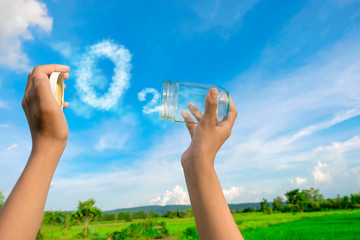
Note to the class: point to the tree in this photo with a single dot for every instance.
(345, 202)
(295, 199)
(2, 199)
(312, 195)
(124, 216)
(67, 221)
(278, 204)
(168, 214)
(311, 199)
(355, 200)
(86, 212)
(265, 208)
(53, 218)
(138, 215)
(189, 212)
(263, 205)
(127, 217)
(151, 215)
(249, 209)
(107, 217)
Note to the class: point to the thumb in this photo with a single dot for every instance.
(211, 103)
(42, 87)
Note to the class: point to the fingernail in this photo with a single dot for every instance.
(213, 93)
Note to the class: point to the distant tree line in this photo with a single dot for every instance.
(59, 217)
(309, 200)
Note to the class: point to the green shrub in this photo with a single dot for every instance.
(142, 230)
(39, 236)
(190, 233)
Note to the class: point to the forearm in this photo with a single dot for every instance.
(211, 212)
(21, 216)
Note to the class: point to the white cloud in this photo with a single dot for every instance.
(116, 134)
(224, 14)
(121, 57)
(339, 171)
(65, 49)
(136, 178)
(4, 125)
(356, 171)
(285, 114)
(3, 104)
(293, 106)
(339, 148)
(321, 173)
(111, 141)
(300, 181)
(17, 17)
(15, 147)
(233, 192)
(81, 109)
(11, 147)
(340, 117)
(177, 195)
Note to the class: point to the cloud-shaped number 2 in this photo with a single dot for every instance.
(150, 107)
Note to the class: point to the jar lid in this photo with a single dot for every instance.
(57, 87)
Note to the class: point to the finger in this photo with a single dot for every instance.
(232, 113)
(187, 117)
(64, 86)
(190, 123)
(230, 120)
(50, 68)
(65, 75)
(28, 83)
(43, 89)
(211, 103)
(194, 111)
(65, 104)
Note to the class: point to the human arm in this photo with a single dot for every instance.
(212, 215)
(22, 213)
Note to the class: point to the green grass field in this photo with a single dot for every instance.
(339, 224)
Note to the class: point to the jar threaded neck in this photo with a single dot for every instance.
(169, 98)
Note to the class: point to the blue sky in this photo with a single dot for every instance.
(292, 68)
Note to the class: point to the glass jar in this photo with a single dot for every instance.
(177, 97)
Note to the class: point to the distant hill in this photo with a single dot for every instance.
(241, 206)
(163, 209)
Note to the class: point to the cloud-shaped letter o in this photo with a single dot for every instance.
(120, 81)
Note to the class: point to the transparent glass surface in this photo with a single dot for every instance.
(184, 102)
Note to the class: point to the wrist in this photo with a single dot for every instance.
(42, 142)
(51, 147)
(196, 163)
